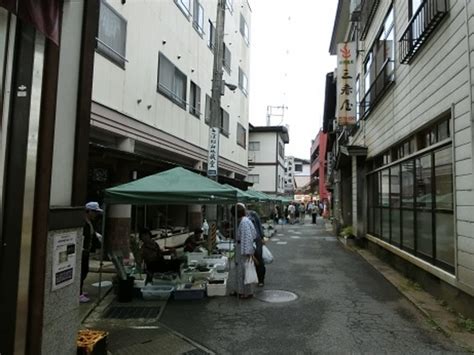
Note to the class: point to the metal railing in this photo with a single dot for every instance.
(423, 22)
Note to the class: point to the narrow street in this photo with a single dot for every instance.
(343, 305)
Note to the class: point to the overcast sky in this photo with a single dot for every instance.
(289, 61)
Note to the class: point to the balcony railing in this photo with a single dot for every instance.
(384, 78)
(367, 13)
(423, 22)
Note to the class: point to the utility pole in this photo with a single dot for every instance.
(215, 119)
(217, 85)
(271, 114)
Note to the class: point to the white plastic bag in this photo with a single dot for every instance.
(267, 256)
(250, 272)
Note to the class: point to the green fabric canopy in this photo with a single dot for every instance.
(261, 195)
(243, 196)
(174, 186)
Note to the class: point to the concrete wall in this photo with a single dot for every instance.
(267, 152)
(61, 307)
(151, 29)
(437, 80)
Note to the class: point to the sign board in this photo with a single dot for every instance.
(346, 80)
(213, 157)
(64, 259)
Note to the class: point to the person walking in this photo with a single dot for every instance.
(259, 264)
(244, 250)
(314, 212)
(302, 209)
(291, 212)
(90, 240)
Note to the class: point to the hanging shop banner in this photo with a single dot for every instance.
(42, 14)
(213, 157)
(64, 259)
(346, 73)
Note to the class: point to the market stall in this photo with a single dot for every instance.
(175, 186)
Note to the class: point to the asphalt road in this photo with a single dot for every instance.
(343, 306)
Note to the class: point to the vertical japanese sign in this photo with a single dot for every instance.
(64, 259)
(346, 73)
(213, 157)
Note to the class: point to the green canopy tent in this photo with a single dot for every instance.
(259, 195)
(243, 196)
(176, 186)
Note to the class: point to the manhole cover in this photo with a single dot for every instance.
(121, 312)
(276, 296)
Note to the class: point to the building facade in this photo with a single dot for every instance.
(152, 94)
(318, 167)
(266, 158)
(297, 175)
(406, 167)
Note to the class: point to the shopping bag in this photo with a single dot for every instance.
(250, 272)
(267, 256)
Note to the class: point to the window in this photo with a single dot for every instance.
(281, 150)
(226, 59)
(299, 167)
(184, 6)
(207, 112)
(243, 82)
(244, 29)
(224, 124)
(413, 7)
(195, 99)
(198, 17)
(171, 81)
(253, 178)
(379, 65)
(411, 206)
(254, 146)
(112, 34)
(212, 36)
(241, 135)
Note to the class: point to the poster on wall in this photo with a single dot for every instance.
(64, 259)
(346, 73)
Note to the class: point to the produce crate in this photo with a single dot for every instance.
(152, 292)
(189, 291)
(217, 287)
(91, 342)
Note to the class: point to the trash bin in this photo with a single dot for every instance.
(125, 289)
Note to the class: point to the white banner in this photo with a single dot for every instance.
(213, 156)
(346, 80)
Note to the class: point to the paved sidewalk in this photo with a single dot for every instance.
(432, 308)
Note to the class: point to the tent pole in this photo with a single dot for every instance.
(166, 224)
(144, 216)
(104, 216)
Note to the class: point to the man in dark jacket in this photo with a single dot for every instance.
(154, 258)
(92, 210)
(259, 265)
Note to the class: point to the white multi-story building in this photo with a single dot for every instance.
(404, 173)
(266, 158)
(153, 77)
(152, 93)
(297, 174)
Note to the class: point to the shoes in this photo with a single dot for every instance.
(245, 297)
(83, 298)
(261, 284)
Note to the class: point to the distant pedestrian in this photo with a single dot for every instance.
(291, 213)
(302, 209)
(314, 212)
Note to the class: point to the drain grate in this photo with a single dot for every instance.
(121, 312)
